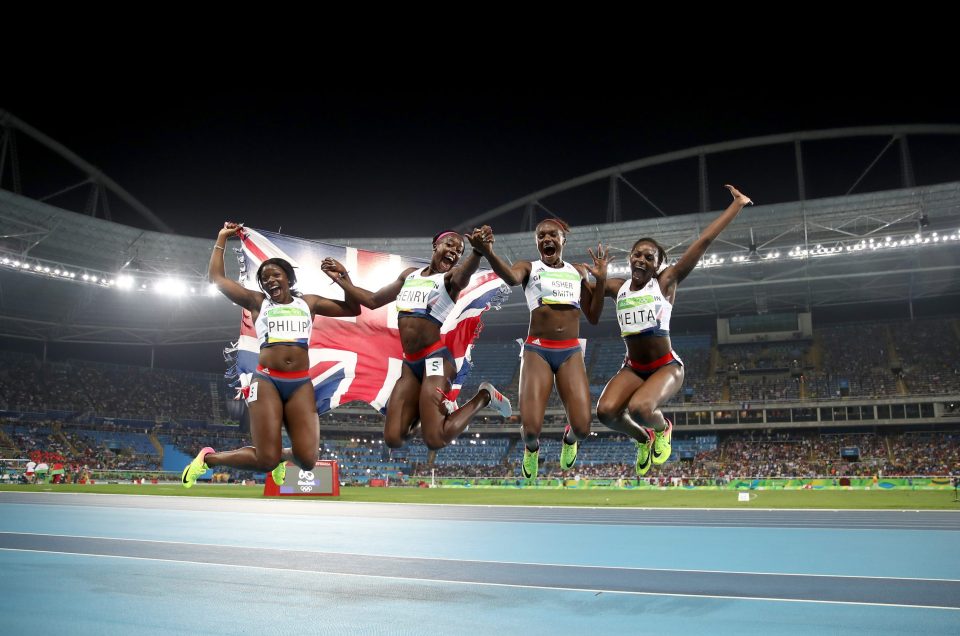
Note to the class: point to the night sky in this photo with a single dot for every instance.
(367, 164)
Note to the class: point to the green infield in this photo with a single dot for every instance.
(668, 498)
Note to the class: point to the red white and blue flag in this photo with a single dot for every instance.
(358, 358)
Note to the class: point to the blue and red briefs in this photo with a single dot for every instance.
(554, 352)
(644, 371)
(286, 382)
(417, 361)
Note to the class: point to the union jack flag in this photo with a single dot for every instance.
(358, 358)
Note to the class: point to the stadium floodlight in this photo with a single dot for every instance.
(212, 290)
(125, 281)
(169, 287)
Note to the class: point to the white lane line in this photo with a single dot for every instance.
(732, 509)
(494, 562)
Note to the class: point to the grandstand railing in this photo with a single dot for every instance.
(754, 484)
(886, 411)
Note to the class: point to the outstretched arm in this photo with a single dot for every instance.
(690, 258)
(591, 296)
(322, 306)
(216, 273)
(370, 299)
(458, 278)
(482, 242)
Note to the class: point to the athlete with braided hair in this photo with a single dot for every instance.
(652, 372)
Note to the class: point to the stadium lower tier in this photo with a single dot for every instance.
(708, 456)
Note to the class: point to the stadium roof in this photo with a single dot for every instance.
(892, 246)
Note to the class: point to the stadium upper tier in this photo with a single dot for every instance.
(893, 246)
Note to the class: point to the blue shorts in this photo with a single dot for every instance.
(417, 362)
(554, 352)
(286, 382)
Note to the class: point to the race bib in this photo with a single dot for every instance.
(252, 395)
(433, 366)
(559, 288)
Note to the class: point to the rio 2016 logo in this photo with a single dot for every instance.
(306, 488)
(306, 478)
